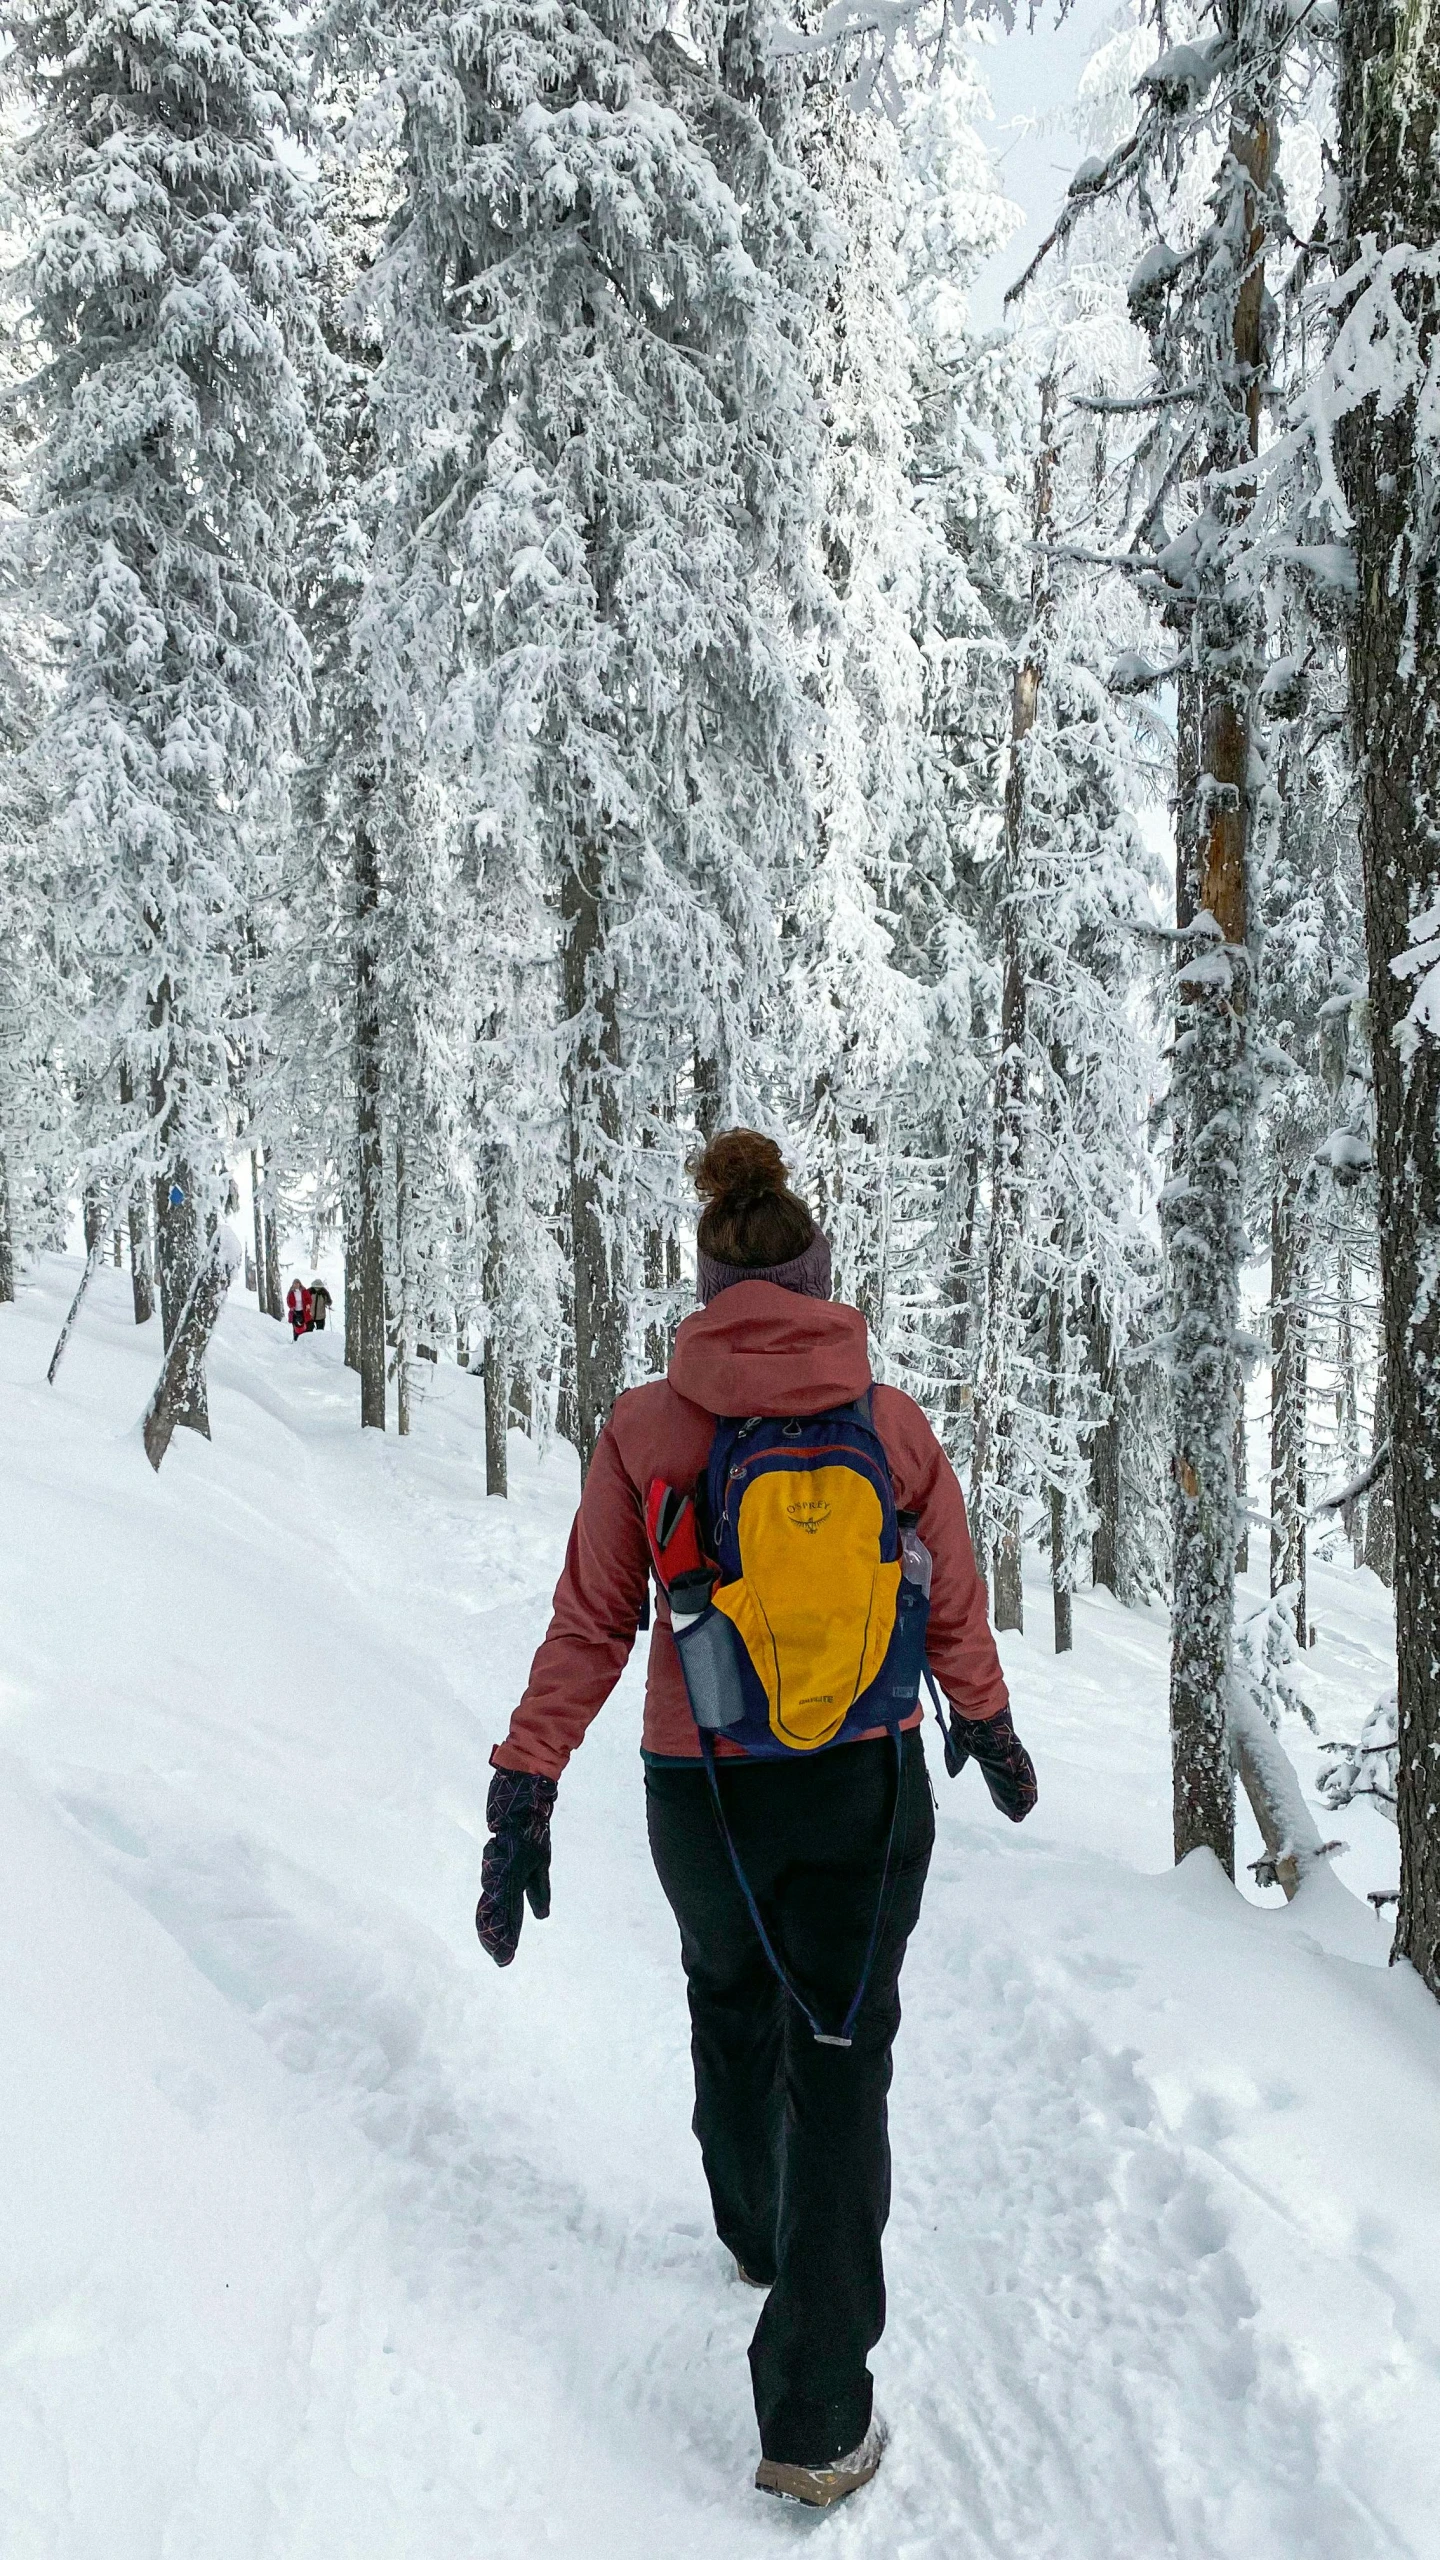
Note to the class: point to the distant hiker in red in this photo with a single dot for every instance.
(808, 1540)
(300, 1309)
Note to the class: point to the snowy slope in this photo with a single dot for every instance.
(322, 2238)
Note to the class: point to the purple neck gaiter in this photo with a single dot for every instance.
(808, 1274)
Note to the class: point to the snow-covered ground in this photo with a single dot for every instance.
(321, 2240)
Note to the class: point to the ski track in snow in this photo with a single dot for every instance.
(328, 2240)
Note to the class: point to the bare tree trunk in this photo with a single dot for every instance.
(497, 1368)
(92, 1265)
(1347, 1397)
(657, 1350)
(1007, 1585)
(1289, 1373)
(1380, 1506)
(352, 1284)
(1061, 1575)
(271, 1283)
(370, 1153)
(1104, 1443)
(673, 1276)
(1388, 120)
(1242, 1487)
(180, 1389)
(258, 1213)
(593, 1114)
(567, 1408)
(142, 1288)
(7, 1238)
(707, 1097)
(267, 1236)
(655, 1353)
(959, 1291)
(142, 1272)
(405, 1311)
(177, 1228)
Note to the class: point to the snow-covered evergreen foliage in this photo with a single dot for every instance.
(169, 280)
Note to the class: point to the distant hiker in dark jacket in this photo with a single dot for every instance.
(320, 1304)
(794, 1867)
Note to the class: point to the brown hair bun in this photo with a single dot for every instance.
(752, 1218)
(740, 1165)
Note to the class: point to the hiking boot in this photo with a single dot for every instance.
(823, 2484)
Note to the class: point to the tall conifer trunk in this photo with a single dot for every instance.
(142, 1289)
(177, 1224)
(1289, 1376)
(7, 1238)
(267, 1235)
(1380, 1506)
(1347, 1399)
(1061, 1568)
(995, 1508)
(593, 1117)
(1389, 127)
(496, 1365)
(1204, 1205)
(369, 1149)
(1104, 1444)
(404, 1310)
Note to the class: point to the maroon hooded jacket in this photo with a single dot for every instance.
(755, 1349)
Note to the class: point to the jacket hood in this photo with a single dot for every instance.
(762, 1349)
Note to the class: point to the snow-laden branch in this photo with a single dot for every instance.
(1362, 1483)
(875, 30)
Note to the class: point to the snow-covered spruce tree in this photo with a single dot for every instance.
(34, 1089)
(861, 1019)
(967, 535)
(350, 799)
(1071, 1072)
(595, 433)
(1202, 298)
(996, 1485)
(1387, 231)
(170, 281)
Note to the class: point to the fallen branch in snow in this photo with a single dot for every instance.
(1293, 1846)
(185, 1359)
(92, 1265)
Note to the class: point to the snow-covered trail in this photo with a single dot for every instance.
(322, 2238)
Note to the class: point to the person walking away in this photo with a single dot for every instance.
(788, 1807)
(298, 1308)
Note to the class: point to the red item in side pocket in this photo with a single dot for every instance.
(684, 1572)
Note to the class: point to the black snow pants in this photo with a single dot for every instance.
(793, 2134)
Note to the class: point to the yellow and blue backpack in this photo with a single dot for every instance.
(802, 1526)
(799, 1603)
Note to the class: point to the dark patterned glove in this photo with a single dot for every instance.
(516, 1865)
(1004, 1762)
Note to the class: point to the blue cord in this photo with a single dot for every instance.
(845, 2037)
